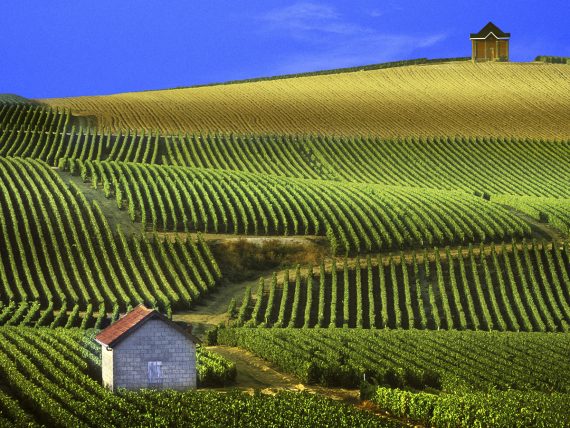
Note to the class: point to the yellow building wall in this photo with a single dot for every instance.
(490, 49)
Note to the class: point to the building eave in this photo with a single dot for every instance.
(487, 36)
(152, 314)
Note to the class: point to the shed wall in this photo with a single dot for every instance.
(107, 366)
(155, 341)
(490, 49)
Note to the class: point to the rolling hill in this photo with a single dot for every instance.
(428, 205)
(455, 98)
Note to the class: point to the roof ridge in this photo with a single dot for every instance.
(489, 28)
(132, 320)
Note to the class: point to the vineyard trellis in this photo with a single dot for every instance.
(355, 217)
(438, 359)
(58, 251)
(519, 287)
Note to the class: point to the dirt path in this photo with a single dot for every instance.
(544, 230)
(254, 373)
(212, 309)
(109, 207)
(214, 237)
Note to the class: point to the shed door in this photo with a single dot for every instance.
(154, 373)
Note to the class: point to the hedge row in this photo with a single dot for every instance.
(480, 409)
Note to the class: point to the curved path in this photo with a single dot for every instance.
(254, 373)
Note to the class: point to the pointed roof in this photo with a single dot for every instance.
(121, 328)
(488, 29)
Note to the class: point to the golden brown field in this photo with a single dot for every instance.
(519, 99)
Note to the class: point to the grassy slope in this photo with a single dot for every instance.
(520, 99)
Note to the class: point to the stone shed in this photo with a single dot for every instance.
(144, 349)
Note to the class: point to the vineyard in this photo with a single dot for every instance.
(353, 216)
(488, 166)
(52, 378)
(464, 164)
(434, 210)
(58, 253)
(485, 166)
(513, 288)
(442, 360)
(49, 377)
(531, 99)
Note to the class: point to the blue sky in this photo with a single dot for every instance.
(63, 48)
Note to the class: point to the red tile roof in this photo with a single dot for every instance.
(130, 322)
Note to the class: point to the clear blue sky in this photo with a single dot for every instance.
(60, 48)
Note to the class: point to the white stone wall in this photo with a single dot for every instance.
(107, 366)
(155, 340)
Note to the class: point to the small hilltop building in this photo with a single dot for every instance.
(144, 349)
(490, 44)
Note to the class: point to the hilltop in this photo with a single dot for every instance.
(454, 98)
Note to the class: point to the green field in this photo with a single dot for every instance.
(515, 288)
(421, 359)
(52, 378)
(417, 249)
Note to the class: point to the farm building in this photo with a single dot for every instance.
(144, 349)
(490, 44)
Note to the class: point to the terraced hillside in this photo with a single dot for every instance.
(459, 98)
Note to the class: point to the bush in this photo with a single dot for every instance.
(553, 59)
(241, 259)
(212, 336)
(214, 370)
(495, 408)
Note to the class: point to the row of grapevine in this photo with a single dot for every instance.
(353, 216)
(514, 288)
(555, 211)
(499, 409)
(31, 314)
(56, 248)
(449, 360)
(45, 381)
(487, 166)
(39, 132)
